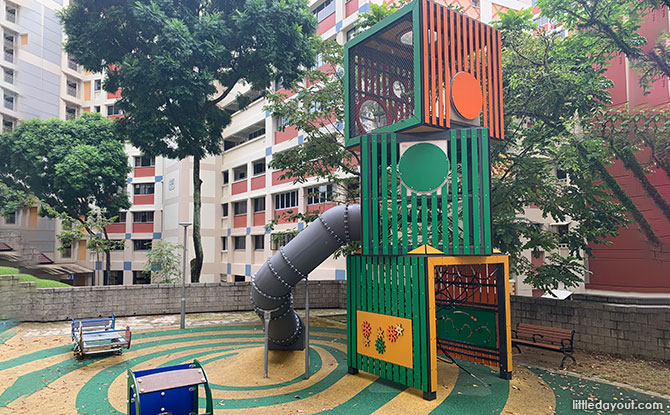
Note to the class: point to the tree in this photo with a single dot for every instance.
(613, 25)
(12, 200)
(77, 169)
(163, 262)
(175, 61)
(550, 84)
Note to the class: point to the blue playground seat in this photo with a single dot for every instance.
(171, 390)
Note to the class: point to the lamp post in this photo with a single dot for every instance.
(183, 277)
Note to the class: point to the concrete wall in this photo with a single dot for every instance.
(26, 303)
(641, 329)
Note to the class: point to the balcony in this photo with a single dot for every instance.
(239, 187)
(143, 227)
(9, 55)
(143, 199)
(144, 171)
(116, 228)
(258, 182)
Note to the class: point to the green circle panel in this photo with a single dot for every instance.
(423, 167)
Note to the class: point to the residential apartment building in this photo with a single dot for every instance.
(240, 194)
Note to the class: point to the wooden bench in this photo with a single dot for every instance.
(171, 390)
(98, 335)
(547, 338)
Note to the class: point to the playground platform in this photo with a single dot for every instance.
(40, 375)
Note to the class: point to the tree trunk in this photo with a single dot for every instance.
(196, 263)
(108, 267)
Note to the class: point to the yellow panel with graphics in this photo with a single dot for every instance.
(385, 337)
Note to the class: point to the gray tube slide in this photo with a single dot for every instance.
(271, 286)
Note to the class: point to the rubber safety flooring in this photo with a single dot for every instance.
(39, 375)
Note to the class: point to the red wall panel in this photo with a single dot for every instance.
(143, 200)
(240, 221)
(144, 171)
(258, 182)
(239, 187)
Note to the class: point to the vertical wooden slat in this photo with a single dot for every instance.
(489, 78)
(366, 277)
(394, 193)
(409, 309)
(452, 44)
(350, 317)
(384, 195)
(482, 53)
(433, 215)
(426, 60)
(439, 58)
(394, 303)
(476, 230)
(405, 228)
(454, 191)
(445, 219)
(486, 178)
(415, 229)
(433, 77)
(471, 44)
(501, 119)
(365, 168)
(402, 372)
(465, 178)
(475, 34)
(494, 90)
(416, 321)
(447, 77)
(424, 219)
(459, 43)
(374, 177)
(381, 299)
(423, 318)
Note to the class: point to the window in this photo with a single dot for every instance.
(71, 88)
(226, 177)
(286, 200)
(224, 208)
(224, 243)
(141, 244)
(97, 85)
(280, 241)
(259, 242)
(320, 194)
(72, 64)
(10, 100)
(113, 278)
(10, 219)
(9, 76)
(9, 47)
(259, 204)
(143, 189)
(562, 234)
(240, 243)
(143, 217)
(282, 123)
(113, 110)
(97, 109)
(240, 208)
(239, 173)
(7, 125)
(121, 218)
(144, 161)
(475, 3)
(141, 277)
(259, 167)
(67, 252)
(324, 10)
(561, 174)
(257, 133)
(10, 13)
(70, 113)
(239, 278)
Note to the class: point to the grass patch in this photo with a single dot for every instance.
(39, 283)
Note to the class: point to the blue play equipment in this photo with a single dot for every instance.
(171, 390)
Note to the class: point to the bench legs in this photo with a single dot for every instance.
(517, 347)
(568, 354)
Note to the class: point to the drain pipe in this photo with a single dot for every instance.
(272, 285)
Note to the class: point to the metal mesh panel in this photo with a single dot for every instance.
(381, 82)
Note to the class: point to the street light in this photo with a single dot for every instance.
(183, 278)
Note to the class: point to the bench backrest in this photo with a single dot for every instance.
(549, 334)
(172, 389)
(94, 324)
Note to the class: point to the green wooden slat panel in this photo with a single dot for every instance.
(374, 177)
(433, 214)
(403, 192)
(394, 193)
(369, 305)
(486, 191)
(424, 219)
(416, 322)
(454, 192)
(423, 335)
(415, 231)
(365, 168)
(359, 279)
(465, 174)
(445, 220)
(394, 303)
(350, 300)
(384, 202)
(374, 286)
(402, 373)
(476, 231)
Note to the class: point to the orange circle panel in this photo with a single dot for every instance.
(466, 95)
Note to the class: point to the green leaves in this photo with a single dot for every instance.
(163, 262)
